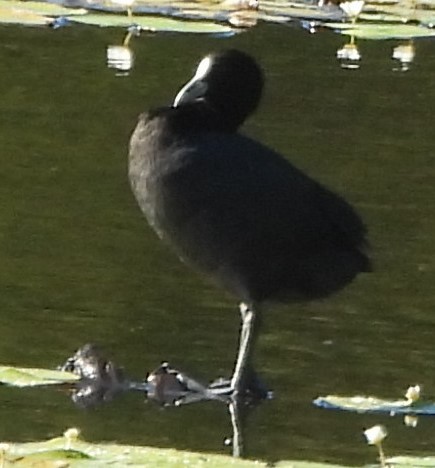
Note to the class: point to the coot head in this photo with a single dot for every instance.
(229, 83)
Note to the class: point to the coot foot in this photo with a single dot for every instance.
(254, 391)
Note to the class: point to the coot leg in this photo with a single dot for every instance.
(246, 344)
(237, 423)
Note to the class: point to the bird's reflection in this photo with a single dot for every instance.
(404, 55)
(101, 380)
(121, 57)
(349, 55)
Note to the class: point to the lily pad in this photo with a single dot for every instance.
(399, 13)
(15, 16)
(302, 10)
(32, 13)
(381, 31)
(41, 8)
(276, 11)
(154, 23)
(70, 450)
(382, 19)
(414, 462)
(32, 377)
(363, 404)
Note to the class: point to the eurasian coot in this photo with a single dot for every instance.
(235, 209)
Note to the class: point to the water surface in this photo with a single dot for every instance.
(78, 262)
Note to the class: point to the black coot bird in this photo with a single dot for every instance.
(235, 209)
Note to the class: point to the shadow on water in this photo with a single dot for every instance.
(79, 264)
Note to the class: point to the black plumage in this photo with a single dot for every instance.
(233, 208)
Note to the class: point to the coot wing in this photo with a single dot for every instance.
(243, 214)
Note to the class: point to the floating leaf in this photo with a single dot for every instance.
(41, 8)
(31, 377)
(399, 13)
(14, 16)
(385, 18)
(76, 453)
(269, 10)
(154, 23)
(302, 10)
(413, 462)
(381, 31)
(379, 17)
(361, 404)
(32, 13)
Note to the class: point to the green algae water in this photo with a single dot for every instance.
(79, 264)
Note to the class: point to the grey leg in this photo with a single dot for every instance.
(247, 338)
(236, 421)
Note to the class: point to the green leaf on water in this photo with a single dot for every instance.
(41, 8)
(381, 19)
(414, 462)
(154, 23)
(400, 12)
(28, 18)
(363, 404)
(32, 13)
(381, 31)
(31, 377)
(72, 451)
(360, 404)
